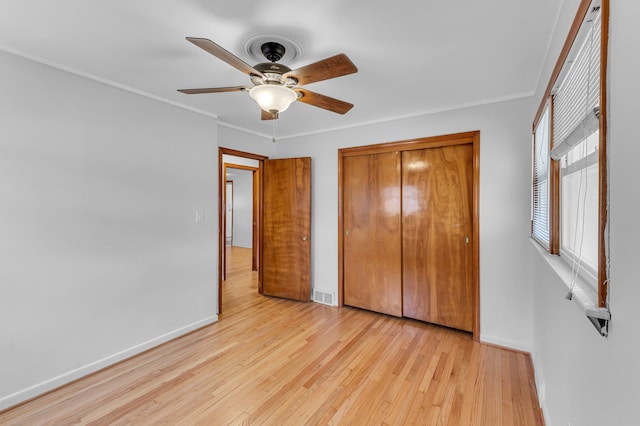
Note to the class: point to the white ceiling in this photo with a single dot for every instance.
(412, 56)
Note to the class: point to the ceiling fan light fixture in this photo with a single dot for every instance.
(273, 98)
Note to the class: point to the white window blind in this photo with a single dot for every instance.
(576, 103)
(540, 202)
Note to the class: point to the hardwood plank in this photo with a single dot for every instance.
(274, 361)
(507, 405)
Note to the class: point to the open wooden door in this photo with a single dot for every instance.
(286, 230)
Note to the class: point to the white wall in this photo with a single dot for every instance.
(230, 137)
(101, 256)
(584, 378)
(505, 278)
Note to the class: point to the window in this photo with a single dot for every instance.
(540, 205)
(569, 194)
(579, 208)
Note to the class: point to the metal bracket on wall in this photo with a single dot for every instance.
(600, 317)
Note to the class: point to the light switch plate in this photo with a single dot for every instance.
(199, 216)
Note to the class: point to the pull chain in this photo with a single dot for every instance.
(273, 134)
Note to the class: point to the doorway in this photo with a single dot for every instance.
(241, 199)
(281, 228)
(231, 165)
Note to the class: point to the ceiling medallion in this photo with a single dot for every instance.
(253, 47)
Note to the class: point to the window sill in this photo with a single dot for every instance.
(582, 294)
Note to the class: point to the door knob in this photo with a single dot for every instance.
(305, 238)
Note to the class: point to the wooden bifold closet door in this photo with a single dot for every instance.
(408, 230)
(372, 226)
(436, 235)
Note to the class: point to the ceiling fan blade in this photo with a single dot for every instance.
(221, 53)
(322, 101)
(213, 90)
(264, 115)
(335, 66)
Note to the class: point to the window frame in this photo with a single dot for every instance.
(554, 166)
(537, 149)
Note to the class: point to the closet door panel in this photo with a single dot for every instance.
(437, 230)
(372, 227)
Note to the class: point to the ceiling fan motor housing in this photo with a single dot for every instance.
(272, 51)
(272, 73)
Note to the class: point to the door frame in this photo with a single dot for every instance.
(257, 212)
(464, 138)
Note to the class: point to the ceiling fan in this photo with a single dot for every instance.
(276, 86)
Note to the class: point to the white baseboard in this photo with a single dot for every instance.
(55, 382)
(499, 341)
(540, 387)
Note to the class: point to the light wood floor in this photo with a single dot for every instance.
(276, 362)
